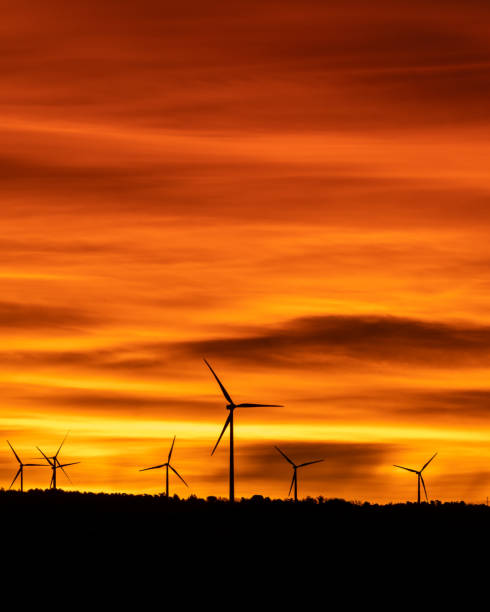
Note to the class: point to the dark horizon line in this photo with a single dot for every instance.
(318, 500)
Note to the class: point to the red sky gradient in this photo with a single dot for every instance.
(298, 192)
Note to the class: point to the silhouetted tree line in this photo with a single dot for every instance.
(327, 541)
(116, 515)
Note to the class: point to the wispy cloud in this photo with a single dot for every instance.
(27, 316)
(325, 340)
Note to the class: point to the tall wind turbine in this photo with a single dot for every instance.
(229, 422)
(20, 471)
(167, 466)
(420, 478)
(294, 481)
(55, 464)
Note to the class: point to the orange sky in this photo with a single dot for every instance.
(298, 192)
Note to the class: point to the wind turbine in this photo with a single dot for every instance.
(420, 478)
(55, 464)
(294, 481)
(229, 422)
(20, 471)
(166, 466)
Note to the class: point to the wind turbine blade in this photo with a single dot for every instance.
(227, 422)
(404, 468)
(35, 465)
(428, 462)
(61, 468)
(292, 483)
(47, 458)
(423, 484)
(175, 472)
(259, 406)
(155, 467)
(225, 392)
(15, 478)
(284, 455)
(52, 480)
(66, 435)
(16, 455)
(67, 464)
(310, 462)
(171, 449)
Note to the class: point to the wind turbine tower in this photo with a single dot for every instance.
(20, 471)
(295, 467)
(56, 465)
(167, 466)
(231, 407)
(420, 478)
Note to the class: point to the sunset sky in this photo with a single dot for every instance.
(297, 191)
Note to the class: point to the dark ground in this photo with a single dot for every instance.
(141, 542)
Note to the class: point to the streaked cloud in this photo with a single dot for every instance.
(323, 340)
(22, 316)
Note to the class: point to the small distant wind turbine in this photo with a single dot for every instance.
(55, 464)
(229, 422)
(20, 471)
(294, 481)
(167, 465)
(420, 478)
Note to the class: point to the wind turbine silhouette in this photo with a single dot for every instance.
(55, 464)
(294, 481)
(420, 478)
(229, 422)
(20, 471)
(167, 465)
